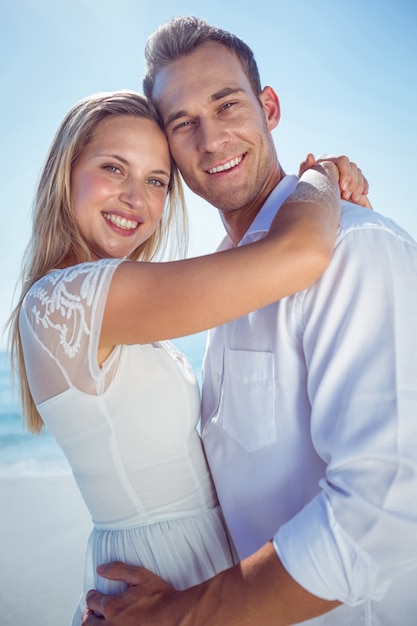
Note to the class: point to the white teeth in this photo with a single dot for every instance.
(225, 166)
(121, 222)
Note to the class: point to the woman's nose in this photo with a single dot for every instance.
(133, 193)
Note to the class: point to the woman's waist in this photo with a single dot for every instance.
(119, 502)
(141, 522)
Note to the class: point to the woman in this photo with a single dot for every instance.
(89, 331)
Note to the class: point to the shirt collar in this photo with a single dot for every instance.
(270, 208)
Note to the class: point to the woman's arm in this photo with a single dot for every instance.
(353, 184)
(154, 301)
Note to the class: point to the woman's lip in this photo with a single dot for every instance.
(121, 221)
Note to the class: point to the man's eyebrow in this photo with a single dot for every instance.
(175, 116)
(218, 95)
(224, 93)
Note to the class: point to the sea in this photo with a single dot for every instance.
(25, 454)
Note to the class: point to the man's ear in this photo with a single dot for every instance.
(271, 106)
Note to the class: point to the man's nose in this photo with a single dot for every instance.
(211, 136)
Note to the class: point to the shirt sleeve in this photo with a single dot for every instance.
(360, 343)
(60, 325)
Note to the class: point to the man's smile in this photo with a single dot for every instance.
(226, 166)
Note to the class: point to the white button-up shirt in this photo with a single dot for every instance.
(309, 421)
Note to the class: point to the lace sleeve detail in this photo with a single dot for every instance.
(64, 311)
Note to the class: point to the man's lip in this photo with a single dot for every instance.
(226, 166)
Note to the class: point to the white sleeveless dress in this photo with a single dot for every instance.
(129, 432)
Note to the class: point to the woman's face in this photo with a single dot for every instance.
(119, 185)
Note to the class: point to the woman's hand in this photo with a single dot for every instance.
(354, 186)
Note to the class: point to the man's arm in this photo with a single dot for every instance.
(360, 349)
(363, 408)
(258, 591)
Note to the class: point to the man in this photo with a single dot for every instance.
(309, 405)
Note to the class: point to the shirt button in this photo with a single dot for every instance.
(217, 377)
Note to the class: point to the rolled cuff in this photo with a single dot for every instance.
(324, 560)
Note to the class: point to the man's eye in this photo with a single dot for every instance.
(181, 125)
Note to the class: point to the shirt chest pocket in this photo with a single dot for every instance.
(248, 398)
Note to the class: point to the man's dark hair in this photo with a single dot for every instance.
(180, 36)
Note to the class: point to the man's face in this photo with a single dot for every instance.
(219, 131)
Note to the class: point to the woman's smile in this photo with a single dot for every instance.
(119, 185)
(121, 223)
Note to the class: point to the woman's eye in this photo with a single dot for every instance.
(157, 183)
(112, 168)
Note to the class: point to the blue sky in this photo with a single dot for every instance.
(345, 72)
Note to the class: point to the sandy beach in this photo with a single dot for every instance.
(44, 530)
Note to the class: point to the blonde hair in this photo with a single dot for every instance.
(55, 233)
